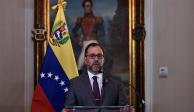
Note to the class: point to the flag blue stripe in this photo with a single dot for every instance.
(53, 86)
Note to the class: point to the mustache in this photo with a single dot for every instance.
(96, 63)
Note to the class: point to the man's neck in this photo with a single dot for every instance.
(95, 73)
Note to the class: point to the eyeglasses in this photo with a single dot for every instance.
(87, 5)
(93, 56)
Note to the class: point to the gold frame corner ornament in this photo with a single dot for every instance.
(136, 46)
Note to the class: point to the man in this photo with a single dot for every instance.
(88, 29)
(93, 87)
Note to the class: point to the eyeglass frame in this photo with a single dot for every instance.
(94, 56)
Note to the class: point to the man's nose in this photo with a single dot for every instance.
(96, 58)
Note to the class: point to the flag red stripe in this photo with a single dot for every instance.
(40, 102)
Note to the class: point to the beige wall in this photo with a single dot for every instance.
(172, 35)
(15, 59)
(169, 42)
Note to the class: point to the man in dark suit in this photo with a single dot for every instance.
(93, 87)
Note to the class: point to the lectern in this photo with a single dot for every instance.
(99, 108)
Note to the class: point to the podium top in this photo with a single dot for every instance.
(126, 108)
(94, 107)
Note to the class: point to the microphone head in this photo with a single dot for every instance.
(143, 102)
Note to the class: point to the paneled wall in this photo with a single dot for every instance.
(16, 55)
(171, 33)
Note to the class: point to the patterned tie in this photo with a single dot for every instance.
(96, 90)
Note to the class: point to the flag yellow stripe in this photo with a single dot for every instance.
(66, 59)
(64, 52)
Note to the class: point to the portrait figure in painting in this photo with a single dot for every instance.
(87, 29)
(105, 22)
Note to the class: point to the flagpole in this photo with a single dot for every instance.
(39, 37)
(58, 67)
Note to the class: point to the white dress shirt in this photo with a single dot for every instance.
(99, 80)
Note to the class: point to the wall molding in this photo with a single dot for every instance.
(149, 55)
(29, 55)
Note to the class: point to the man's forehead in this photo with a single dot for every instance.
(88, 3)
(95, 49)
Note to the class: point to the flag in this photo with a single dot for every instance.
(58, 68)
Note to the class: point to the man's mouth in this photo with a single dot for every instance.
(96, 64)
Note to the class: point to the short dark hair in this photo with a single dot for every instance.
(93, 45)
(84, 2)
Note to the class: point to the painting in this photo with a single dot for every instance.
(122, 26)
(111, 31)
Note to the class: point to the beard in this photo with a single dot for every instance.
(95, 68)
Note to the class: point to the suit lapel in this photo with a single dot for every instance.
(88, 89)
(104, 88)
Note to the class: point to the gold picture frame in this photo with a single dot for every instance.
(136, 34)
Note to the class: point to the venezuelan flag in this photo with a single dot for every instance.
(58, 68)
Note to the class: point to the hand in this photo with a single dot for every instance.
(128, 108)
(132, 109)
(66, 110)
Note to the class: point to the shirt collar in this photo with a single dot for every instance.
(91, 75)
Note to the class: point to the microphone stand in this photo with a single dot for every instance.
(140, 99)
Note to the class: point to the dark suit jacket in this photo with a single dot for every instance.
(80, 92)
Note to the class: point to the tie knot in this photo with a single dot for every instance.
(95, 77)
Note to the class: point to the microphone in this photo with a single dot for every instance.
(142, 101)
(137, 94)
